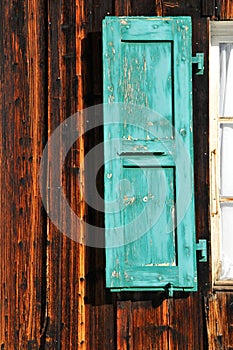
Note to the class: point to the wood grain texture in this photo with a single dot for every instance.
(123, 8)
(99, 305)
(185, 323)
(150, 325)
(65, 257)
(134, 8)
(158, 7)
(217, 321)
(201, 145)
(100, 317)
(168, 325)
(124, 325)
(23, 230)
(42, 290)
(226, 9)
(208, 8)
(142, 8)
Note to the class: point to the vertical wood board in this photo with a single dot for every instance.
(225, 9)
(22, 231)
(208, 8)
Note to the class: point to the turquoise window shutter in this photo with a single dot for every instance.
(148, 151)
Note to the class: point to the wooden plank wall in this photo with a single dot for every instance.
(64, 274)
(41, 271)
(52, 289)
(23, 129)
(225, 9)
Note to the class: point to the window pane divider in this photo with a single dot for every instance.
(225, 199)
(225, 120)
(224, 283)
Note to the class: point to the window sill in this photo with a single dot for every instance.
(223, 285)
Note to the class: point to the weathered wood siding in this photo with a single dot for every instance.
(65, 258)
(52, 290)
(23, 133)
(225, 9)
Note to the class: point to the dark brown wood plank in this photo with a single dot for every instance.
(229, 309)
(226, 9)
(23, 230)
(123, 8)
(125, 326)
(65, 257)
(100, 325)
(170, 6)
(96, 11)
(201, 146)
(182, 8)
(100, 332)
(150, 324)
(208, 8)
(143, 8)
(54, 250)
(143, 324)
(136, 8)
(216, 321)
(185, 331)
(158, 7)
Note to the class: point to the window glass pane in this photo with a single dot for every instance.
(227, 240)
(226, 160)
(226, 80)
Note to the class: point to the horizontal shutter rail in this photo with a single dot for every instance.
(166, 146)
(152, 29)
(150, 162)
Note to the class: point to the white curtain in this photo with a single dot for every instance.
(227, 241)
(226, 80)
(226, 156)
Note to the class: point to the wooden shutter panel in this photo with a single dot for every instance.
(149, 202)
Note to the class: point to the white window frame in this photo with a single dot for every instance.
(220, 32)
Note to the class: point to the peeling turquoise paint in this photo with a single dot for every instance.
(149, 155)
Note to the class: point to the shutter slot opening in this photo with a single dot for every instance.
(127, 154)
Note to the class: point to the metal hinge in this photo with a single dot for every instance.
(202, 247)
(199, 59)
(169, 290)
